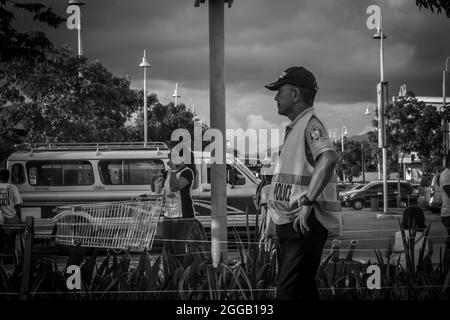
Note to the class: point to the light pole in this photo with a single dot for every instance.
(343, 133)
(368, 113)
(444, 106)
(176, 95)
(144, 64)
(79, 4)
(382, 95)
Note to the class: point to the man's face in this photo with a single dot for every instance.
(284, 99)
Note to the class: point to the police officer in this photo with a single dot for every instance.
(302, 200)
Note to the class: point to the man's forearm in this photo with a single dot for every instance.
(322, 174)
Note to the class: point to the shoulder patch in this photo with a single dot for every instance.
(315, 133)
(315, 130)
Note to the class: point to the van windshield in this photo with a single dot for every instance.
(247, 171)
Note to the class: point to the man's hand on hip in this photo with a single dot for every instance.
(300, 222)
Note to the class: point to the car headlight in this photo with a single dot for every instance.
(345, 198)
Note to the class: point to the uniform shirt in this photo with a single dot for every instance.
(9, 197)
(316, 136)
(444, 180)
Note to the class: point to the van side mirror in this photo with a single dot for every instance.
(234, 177)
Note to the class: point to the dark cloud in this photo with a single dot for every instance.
(264, 37)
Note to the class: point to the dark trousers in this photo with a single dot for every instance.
(175, 232)
(446, 222)
(299, 260)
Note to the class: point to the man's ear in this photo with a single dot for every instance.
(296, 94)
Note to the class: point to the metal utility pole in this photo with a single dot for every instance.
(217, 119)
(444, 107)
(343, 133)
(363, 163)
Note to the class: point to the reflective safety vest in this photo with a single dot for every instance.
(291, 179)
(173, 199)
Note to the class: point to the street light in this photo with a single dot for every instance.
(382, 93)
(144, 64)
(343, 133)
(176, 94)
(444, 105)
(79, 4)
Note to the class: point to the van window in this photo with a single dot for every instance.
(17, 174)
(130, 172)
(60, 173)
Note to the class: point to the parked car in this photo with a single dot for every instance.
(435, 203)
(429, 193)
(343, 192)
(361, 198)
(425, 191)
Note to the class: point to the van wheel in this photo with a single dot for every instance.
(358, 204)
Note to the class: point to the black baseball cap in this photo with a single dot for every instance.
(296, 76)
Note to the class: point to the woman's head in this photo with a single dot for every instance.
(180, 160)
(413, 217)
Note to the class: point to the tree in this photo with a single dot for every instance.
(16, 45)
(416, 126)
(435, 5)
(163, 120)
(413, 126)
(55, 104)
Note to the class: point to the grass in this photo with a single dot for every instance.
(250, 276)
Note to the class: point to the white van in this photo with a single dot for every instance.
(54, 175)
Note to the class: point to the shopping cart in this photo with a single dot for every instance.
(110, 225)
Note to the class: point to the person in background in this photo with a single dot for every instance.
(413, 223)
(444, 184)
(179, 181)
(10, 212)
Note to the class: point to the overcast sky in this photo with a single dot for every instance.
(262, 38)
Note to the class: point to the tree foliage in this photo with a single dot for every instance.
(352, 159)
(435, 5)
(163, 120)
(413, 126)
(24, 45)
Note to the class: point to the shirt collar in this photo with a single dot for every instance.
(301, 115)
